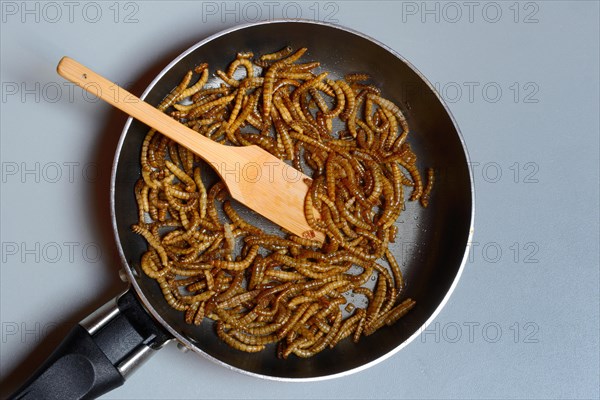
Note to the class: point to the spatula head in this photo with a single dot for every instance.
(269, 186)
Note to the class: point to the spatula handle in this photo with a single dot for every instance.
(272, 188)
(138, 109)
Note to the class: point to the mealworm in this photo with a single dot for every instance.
(235, 343)
(347, 327)
(237, 265)
(427, 191)
(170, 99)
(198, 85)
(276, 55)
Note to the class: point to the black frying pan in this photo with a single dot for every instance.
(107, 346)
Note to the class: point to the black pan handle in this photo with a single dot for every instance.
(98, 354)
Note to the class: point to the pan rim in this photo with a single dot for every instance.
(188, 343)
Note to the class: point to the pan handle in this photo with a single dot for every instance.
(98, 354)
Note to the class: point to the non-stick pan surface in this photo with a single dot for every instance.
(431, 243)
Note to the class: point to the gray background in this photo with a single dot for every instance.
(522, 80)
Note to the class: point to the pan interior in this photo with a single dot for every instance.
(431, 242)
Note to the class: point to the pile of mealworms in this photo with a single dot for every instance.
(274, 287)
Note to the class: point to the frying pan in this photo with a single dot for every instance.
(106, 347)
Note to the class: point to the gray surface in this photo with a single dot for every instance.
(527, 319)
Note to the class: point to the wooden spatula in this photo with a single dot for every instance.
(253, 176)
